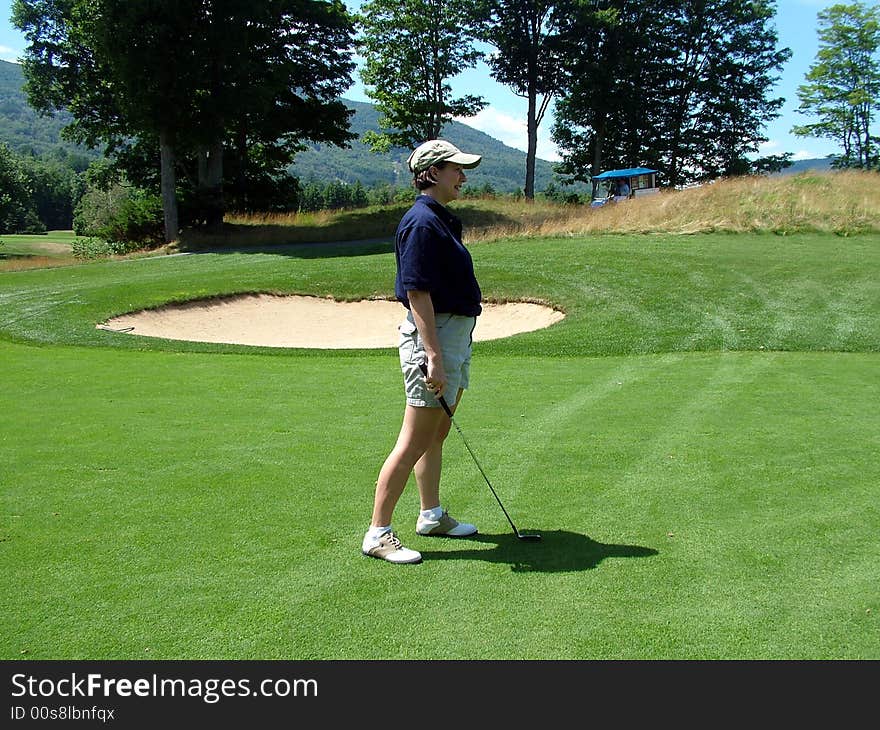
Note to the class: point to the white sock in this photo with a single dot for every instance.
(374, 533)
(433, 514)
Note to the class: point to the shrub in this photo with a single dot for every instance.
(125, 217)
(90, 248)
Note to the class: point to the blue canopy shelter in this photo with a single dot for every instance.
(620, 185)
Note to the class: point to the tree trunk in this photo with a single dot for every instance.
(241, 151)
(598, 144)
(210, 185)
(532, 134)
(168, 186)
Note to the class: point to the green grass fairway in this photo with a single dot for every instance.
(696, 442)
(53, 243)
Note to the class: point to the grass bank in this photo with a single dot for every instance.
(843, 203)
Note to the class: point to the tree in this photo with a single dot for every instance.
(56, 189)
(411, 49)
(191, 81)
(358, 195)
(612, 66)
(312, 197)
(125, 217)
(719, 100)
(527, 60)
(117, 69)
(678, 85)
(278, 70)
(843, 85)
(17, 210)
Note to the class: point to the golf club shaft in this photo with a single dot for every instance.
(445, 406)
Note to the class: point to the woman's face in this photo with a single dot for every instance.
(449, 179)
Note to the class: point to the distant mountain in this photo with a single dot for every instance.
(503, 167)
(821, 164)
(22, 128)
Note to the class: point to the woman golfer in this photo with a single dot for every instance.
(436, 283)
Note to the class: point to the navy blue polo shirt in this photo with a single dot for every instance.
(431, 257)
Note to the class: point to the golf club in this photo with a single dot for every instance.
(423, 366)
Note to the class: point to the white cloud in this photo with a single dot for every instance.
(9, 54)
(807, 155)
(511, 131)
(497, 124)
(547, 150)
(773, 147)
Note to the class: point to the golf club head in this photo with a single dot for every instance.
(528, 538)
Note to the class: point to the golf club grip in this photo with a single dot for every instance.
(423, 366)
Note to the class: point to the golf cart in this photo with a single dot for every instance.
(618, 185)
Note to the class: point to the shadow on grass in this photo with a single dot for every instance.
(255, 241)
(352, 233)
(559, 551)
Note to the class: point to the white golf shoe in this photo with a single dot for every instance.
(387, 547)
(446, 526)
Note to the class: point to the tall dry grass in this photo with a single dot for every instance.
(839, 202)
(843, 203)
(24, 263)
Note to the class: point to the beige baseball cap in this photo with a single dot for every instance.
(439, 150)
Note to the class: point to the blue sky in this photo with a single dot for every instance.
(504, 118)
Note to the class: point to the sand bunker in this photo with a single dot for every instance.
(299, 321)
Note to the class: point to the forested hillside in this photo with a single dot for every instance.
(799, 166)
(503, 167)
(22, 128)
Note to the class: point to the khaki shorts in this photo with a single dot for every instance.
(455, 334)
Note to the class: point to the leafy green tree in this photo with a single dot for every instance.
(55, 188)
(186, 83)
(383, 194)
(358, 195)
(843, 85)
(411, 49)
(255, 179)
(277, 71)
(483, 191)
(527, 59)
(122, 215)
(722, 87)
(312, 198)
(336, 195)
(18, 212)
(682, 86)
(119, 71)
(611, 59)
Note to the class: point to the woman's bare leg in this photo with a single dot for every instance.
(417, 435)
(429, 467)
